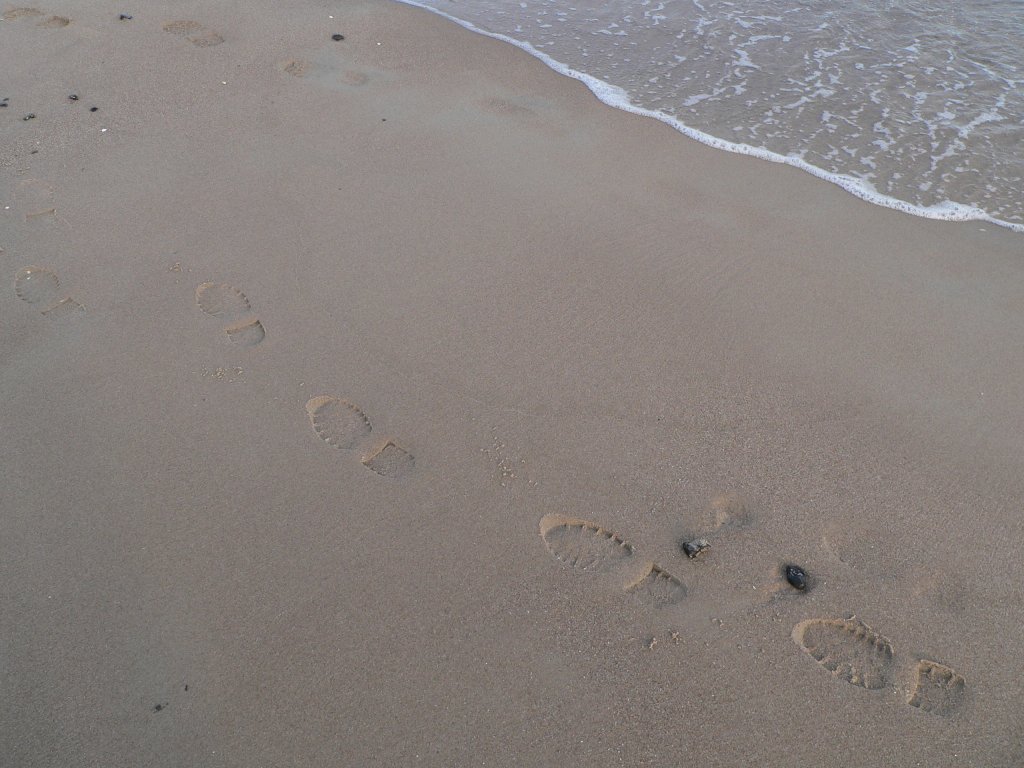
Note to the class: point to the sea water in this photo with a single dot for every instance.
(910, 104)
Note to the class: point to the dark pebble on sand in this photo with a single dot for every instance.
(695, 547)
(336, 38)
(797, 577)
(29, 116)
(94, 109)
(73, 97)
(158, 707)
(125, 17)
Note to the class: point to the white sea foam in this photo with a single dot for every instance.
(811, 93)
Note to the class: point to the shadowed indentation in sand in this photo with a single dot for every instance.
(221, 300)
(247, 333)
(36, 284)
(849, 649)
(657, 588)
(226, 301)
(504, 108)
(338, 422)
(353, 77)
(34, 199)
(582, 544)
(21, 13)
(55, 22)
(727, 510)
(63, 308)
(390, 460)
(937, 689)
(194, 32)
(295, 67)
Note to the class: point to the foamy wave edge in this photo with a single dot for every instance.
(616, 97)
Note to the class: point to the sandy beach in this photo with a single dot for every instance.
(359, 394)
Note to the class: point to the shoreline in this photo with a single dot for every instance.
(398, 370)
(615, 97)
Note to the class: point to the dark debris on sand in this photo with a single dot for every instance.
(695, 547)
(797, 577)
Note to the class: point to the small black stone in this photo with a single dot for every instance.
(124, 17)
(336, 38)
(73, 97)
(94, 109)
(3, 103)
(158, 707)
(29, 116)
(695, 547)
(797, 577)
(186, 686)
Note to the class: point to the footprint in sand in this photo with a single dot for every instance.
(586, 546)
(63, 308)
(16, 14)
(54, 22)
(300, 68)
(937, 689)
(50, 22)
(657, 588)
(583, 545)
(295, 67)
(41, 286)
(36, 284)
(849, 649)
(855, 653)
(228, 303)
(343, 425)
(354, 78)
(194, 32)
(33, 199)
(505, 108)
(389, 460)
(338, 422)
(727, 511)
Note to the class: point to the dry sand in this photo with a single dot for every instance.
(568, 320)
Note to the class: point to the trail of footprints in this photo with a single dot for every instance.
(41, 287)
(343, 425)
(230, 304)
(847, 648)
(40, 17)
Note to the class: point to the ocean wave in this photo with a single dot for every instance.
(884, 134)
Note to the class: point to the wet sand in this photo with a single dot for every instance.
(394, 373)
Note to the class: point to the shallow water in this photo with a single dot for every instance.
(915, 105)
